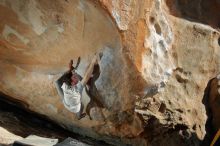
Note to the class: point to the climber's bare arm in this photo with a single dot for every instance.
(89, 71)
(58, 85)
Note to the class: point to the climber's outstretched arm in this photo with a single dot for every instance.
(89, 71)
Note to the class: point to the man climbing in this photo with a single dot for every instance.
(70, 87)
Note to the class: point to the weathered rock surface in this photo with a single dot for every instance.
(158, 57)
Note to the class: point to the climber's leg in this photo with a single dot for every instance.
(80, 114)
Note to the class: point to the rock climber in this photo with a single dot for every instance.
(70, 86)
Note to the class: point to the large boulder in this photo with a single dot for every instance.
(157, 58)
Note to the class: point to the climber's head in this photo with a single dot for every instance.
(75, 78)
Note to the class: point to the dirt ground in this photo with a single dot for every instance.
(17, 123)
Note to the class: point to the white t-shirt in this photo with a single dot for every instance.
(72, 96)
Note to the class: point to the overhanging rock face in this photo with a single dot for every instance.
(153, 72)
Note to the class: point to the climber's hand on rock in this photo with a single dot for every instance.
(97, 58)
(94, 59)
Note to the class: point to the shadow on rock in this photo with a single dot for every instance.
(202, 11)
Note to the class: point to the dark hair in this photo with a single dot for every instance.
(77, 75)
(67, 80)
